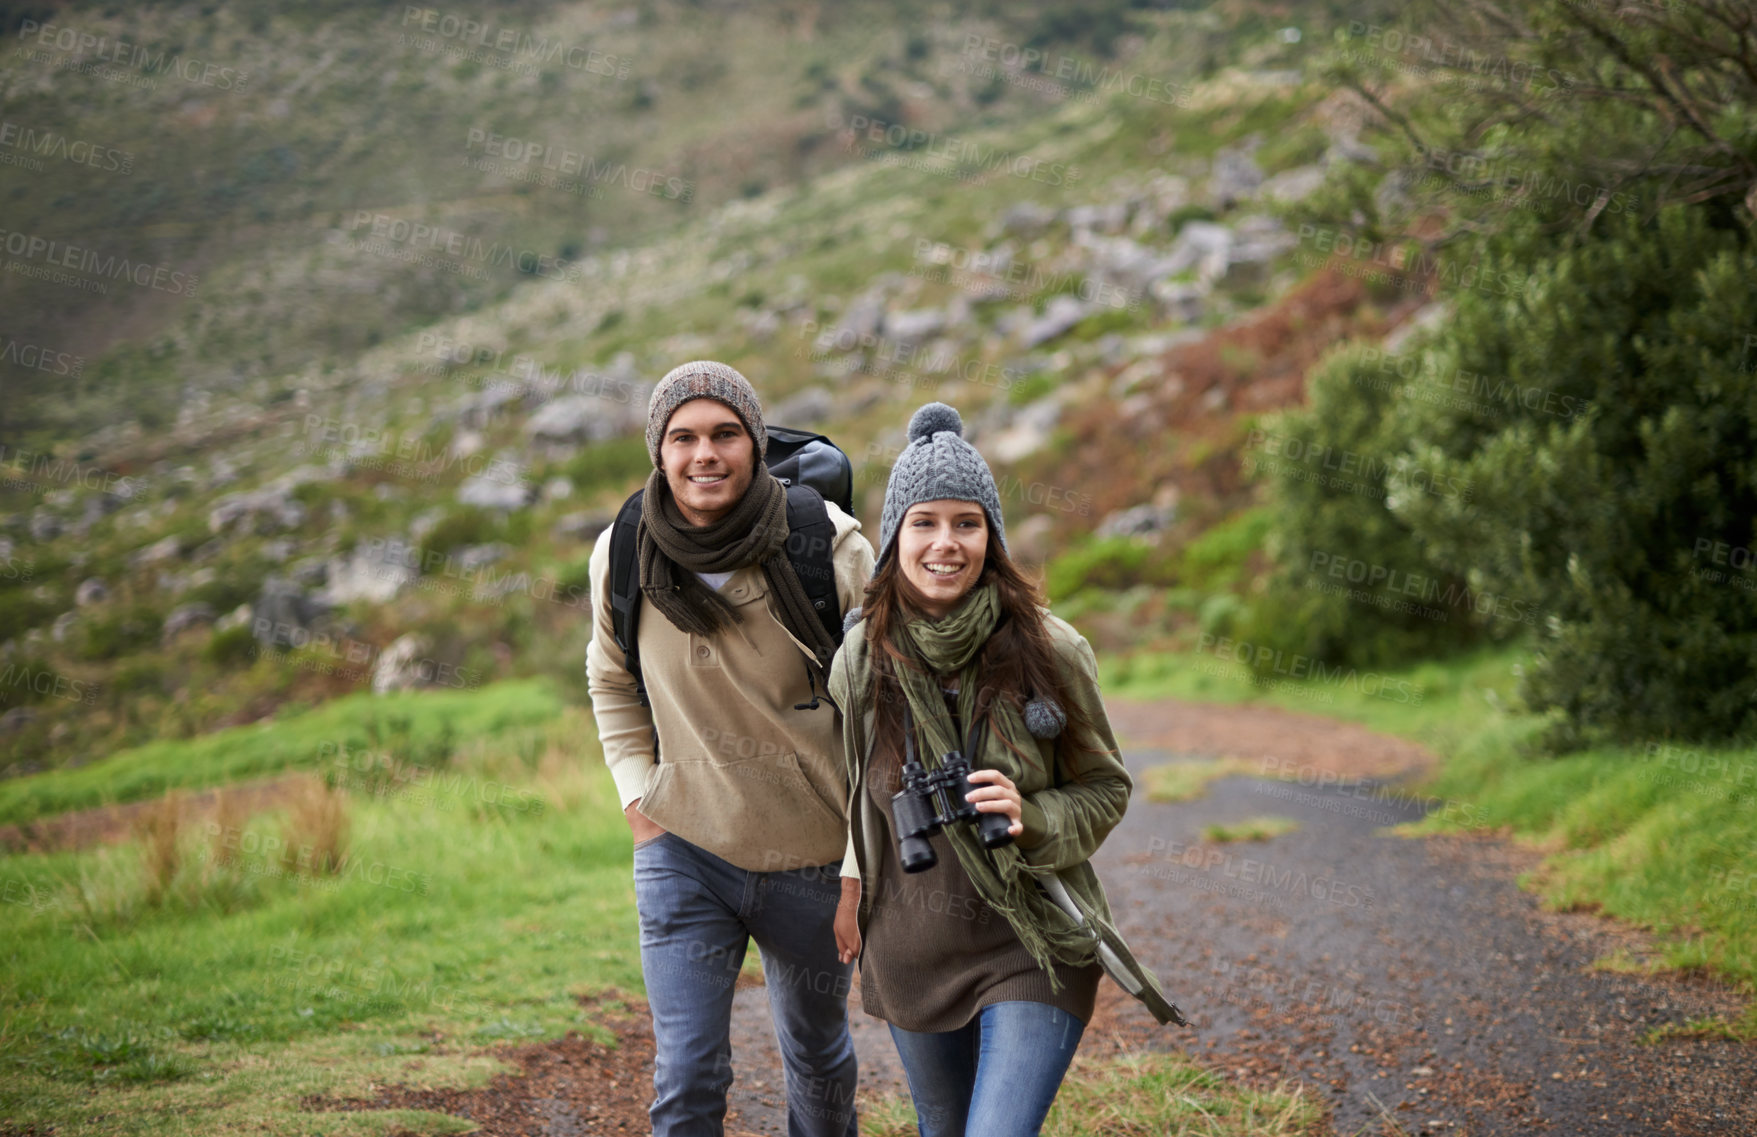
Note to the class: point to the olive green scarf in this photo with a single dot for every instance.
(949, 646)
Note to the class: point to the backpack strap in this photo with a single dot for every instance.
(625, 588)
(811, 542)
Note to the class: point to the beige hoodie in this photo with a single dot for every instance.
(740, 772)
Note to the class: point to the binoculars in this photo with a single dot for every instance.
(927, 802)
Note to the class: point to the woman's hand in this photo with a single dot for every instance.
(1000, 797)
(848, 921)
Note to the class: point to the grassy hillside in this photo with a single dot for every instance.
(355, 456)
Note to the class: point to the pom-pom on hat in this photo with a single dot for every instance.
(938, 464)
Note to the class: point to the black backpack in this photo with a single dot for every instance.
(814, 470)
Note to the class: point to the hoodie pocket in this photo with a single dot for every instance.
(760, 813)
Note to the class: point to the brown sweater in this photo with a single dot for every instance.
(745, 775)
(935, 954)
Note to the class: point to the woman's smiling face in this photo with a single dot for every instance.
(941, 546)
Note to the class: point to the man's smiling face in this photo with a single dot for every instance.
(708, 458)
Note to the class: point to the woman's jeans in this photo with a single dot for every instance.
(698, 913)
(994, 1077)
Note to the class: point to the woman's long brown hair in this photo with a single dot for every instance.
(1016, 663)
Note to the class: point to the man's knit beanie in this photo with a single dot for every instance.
(938, 464)
(704, 379)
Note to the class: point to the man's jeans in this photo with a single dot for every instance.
(996, 1076)
(698, 913)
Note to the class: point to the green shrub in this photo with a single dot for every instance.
(1330, 467)
(21, 610)
(470, 525)
(618, 463)
(1184, 214)
(234, 647)
(119, 634)
(1608, 439)
(1110, 563)
(1571, 462)
(1218, 557)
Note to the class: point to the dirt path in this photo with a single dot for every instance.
(1409, 984)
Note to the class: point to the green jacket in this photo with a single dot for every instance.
(1064, 820)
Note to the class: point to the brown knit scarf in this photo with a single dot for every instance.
(672, 551)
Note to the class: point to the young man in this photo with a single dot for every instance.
(737, 819)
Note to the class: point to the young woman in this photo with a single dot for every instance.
(985, 963)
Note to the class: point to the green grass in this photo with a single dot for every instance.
(1251, 829)
(1144, 1095)
(199, 983)
(1186, 781)
(409, 723)
(1660, 836)
(457, 922)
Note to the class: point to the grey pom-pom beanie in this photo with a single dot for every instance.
(938, 464)
(704, 379)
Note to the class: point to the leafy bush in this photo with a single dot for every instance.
(234, 647)
(21, 610)
(1343, 560)
(1107, 563)
(1218, 557)
(124, 632)
(1608, 441)
(1571, 461)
